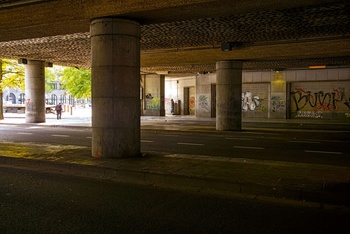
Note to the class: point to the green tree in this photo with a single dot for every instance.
(77, 82)
(11, 76)
(51, 75)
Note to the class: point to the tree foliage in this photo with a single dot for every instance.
(12, 75)
(77, 82)
(52, 74)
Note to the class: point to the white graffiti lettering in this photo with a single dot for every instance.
(203, 103)
(249, 102)
(309, 114)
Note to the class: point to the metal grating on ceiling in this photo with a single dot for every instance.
(12, 3)
(279, 38)
(290, 24)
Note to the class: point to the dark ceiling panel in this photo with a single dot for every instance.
(186, 36)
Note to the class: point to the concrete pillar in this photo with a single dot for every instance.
(115, 51)
(228, 95)
(154, 93)
(35, 91)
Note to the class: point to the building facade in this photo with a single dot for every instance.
(16, 97)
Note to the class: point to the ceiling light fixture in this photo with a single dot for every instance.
(317, 67)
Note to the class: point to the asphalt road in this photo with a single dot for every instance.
(321, 147)
(35, 202)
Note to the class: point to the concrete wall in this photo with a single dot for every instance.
(320, 93)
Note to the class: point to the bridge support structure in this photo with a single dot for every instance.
(115, 50)
(229, 95)
(35, 91)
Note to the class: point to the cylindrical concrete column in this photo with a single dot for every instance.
(35, 91)
(115, 51)
(228, 95)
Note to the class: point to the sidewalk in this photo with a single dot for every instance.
(312, 184)
(82, 118)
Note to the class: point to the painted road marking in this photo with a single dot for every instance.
(25, 133)
(242, 139)
(306, 142)
(168, 135)
(60, 135)
(271, 138)
(185, 143)
(248, 147)
(146, 141)
(322, 152)
(259, 133)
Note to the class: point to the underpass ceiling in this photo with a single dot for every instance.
(187, 37)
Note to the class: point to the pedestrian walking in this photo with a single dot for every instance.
(58, 109)
(172, 106)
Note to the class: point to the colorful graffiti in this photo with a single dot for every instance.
(192, 105)
(203, 103)
(251, 103)
(153, 104)
(326, 101)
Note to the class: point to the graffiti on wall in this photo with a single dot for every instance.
(309, 114)
(278, 104)
(320, 101)
(203, 103)
(152, 103)
(192, 105)
(148, 96)
(251, 103)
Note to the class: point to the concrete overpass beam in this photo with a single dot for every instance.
(115, 54)
(229, 95)
(35, 91)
